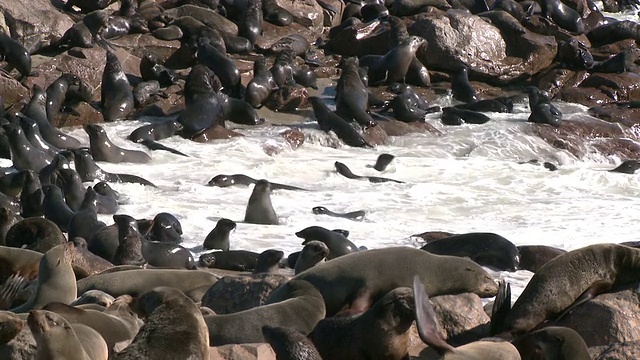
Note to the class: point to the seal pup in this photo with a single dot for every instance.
(569, 280)
(301, 311)
(330, 121)
(382, 330)
(312, 253)
(337, 243)
(487, 249)
(223, 180)
(552, 342)
(461, 87)
(173, 328)
(268, 261)
(116, 96)
(259, 209)
(383, 161)
(16, 55)
(427, 324)
(352, 99)
(57, 339)
(366, 276)
(56, 280)
(102, 149)
(129, 251)
(218, 238)
(627, 167)
(289, 344)
(344, 170)
(236, 260)
(261, 85)
(394, 65)
(353, 215)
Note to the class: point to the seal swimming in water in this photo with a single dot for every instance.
(344, 170)
(366, 276)
(116, 96)
(259, 209)
(223, 180)
(571, 279)
(383, 161)
(353, 215)
(102, 149)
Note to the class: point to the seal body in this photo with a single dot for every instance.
(261, 85)
(15, 54)
(312, 253)
(337, 243)
(116, 99)
(259, 209)
(102, 149)
(330, 121)
(218, 238)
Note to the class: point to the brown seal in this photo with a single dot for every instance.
(116, 95)
(102, 149)
(174, 328)
(259, 209)
(383, 329)
(354, 281)
(553, 342)
(10, 326)
(289, 344)
(571, 279)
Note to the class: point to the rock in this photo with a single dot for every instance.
(375, 135)
(272, 33)
(12, 91)
(293, 137)
(330, 20)
(288, 98)
(236, 293)
(307, 13)
(259, 351)
(617, 114)
(619, 87)
(584, 95)
(141, 44)
(34, 23)
(607, 318)
(460, 315)
(360, 39)
(555, 79)
(622, 148)
(21, 347)
(216, 132)
(460, 37)
(82, 114)
(206, 16)
(617, 351)
(398, 128)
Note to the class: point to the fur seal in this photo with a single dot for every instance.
(533, 257)
(221, 65)
(148, 135)
(268, 261)
(24, 155)
(218, 238)
(351, 94)
(366, 276)
(70, 183)
(452, 115)
(116, 96)
(8, 218)
(58, 339)
(382, 329)
(54, 208)
(353, 215)
(289, 344)
(102, 149)
(338, 244)
(56, 280)
(96, 297)
(241, 179)
(137, 282)
(57, 92)
(259, 209)
(165, 227)
(239, 111)
(344, 170)
(129, 251)
(203, 108)
(10, 326)
(301, 311)
(569, 280)
(150, 70)
(251, 24)
(627, 167)
(84, 222)
(35, 234)
(167, 255)
(312, 253)
(31, 196)
(173, 328)
(33, 135)
(16, 55)
(408, 106)
(552, 342)
(487, 249)
(564, 16)
(146, 92)
(461, 87)
(545, 113)
(383, 161)
(276, 14)
(394, 65)
(236, 260)
(261, 85)
(18, 262)
(330, 121)
(90, 171)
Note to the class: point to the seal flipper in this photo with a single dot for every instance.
(152, 145)
(360, 303)
(344, 170)
(426, 319)
(501, 307)
(10, 290)
(128, 178)
(596, 288)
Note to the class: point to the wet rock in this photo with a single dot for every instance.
(555, 79)
(617, 114)
(616, 351)
(460, 37)
(288, 98)
(605, 51)
(608, 318)
(305, 12)
(331, 20)
(291, 140)
(12, 91)
(584, 95)
(293, 137)
(216, 132)
(398, 128)
(360, 39)
(21, 347)
(259, 351)
(622, 148)
(272, 33)
(140, 44)
(375, 135)
(618, 87)
(34, 23)
(80, 114)
(236, 293)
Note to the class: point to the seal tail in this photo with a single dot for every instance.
(426, 319)
(501, 307)
(10, 290)
(152, 145)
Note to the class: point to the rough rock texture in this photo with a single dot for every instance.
(259, 351)
(460, 37)
(21, 347)
(608, 318)
(617, 114)
(399, 128)
(305, 12)
(458, 314)
(33, 23)
(141, 44)
(375, 135)
(83, 113)
(12, 91)
(619, 87)
(617, 351)
(206, 16)
(236, 293)
(272, 33)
